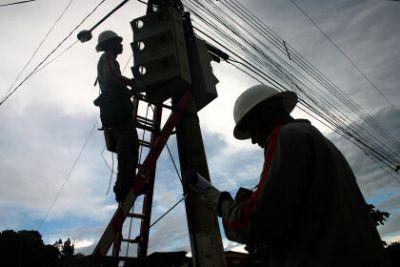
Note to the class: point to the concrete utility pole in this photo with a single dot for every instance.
(205, 236)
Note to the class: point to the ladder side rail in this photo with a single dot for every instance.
(115, 225)
(132, 215)
(136, 101)
(148, 199)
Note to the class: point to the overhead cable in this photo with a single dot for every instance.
(56, 57)
(325, 82)
(52, 52)
(294, 78)
(246, 38)
(169, 210)
(285, 74)
(373, 85)
(67, 176)
(17, 3)
(39, 46)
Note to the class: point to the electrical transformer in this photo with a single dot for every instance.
(161, 64)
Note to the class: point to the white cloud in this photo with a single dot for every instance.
(83, 243)
(44, 124)
(392, 238)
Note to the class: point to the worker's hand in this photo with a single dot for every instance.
(203, 189)
(243, 194)
(224, 196)
(135, 93)
(133, 84)
(197, 182)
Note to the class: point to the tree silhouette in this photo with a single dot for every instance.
(26, 248)
(377, 216)
(66, 248)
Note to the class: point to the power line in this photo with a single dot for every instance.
(17, 3)
(278, 65)
(305, 65)
(68, 48)
(52, 52)
(68, 175)
(39, 45)
(174, 164)
(362, 130)
(168, 211)
(347, 57)
(56, 57)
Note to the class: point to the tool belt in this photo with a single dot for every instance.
(111, 141)
(115, 106)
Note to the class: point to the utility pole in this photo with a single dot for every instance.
(205, 236)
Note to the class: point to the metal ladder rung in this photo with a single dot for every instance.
(132, 241)
(112, 235)
(145, 120)
(145, 143)
(136, 215)
(145, 127)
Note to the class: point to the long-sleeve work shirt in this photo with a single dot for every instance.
(307, 206)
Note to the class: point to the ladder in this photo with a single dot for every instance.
(145, 175)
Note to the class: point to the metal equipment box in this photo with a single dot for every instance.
(203, 80)
(161, 63)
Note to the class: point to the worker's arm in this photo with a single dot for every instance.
(112, 67)
(271, 211)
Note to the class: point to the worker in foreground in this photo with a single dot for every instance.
(307, 209)
(116, 110)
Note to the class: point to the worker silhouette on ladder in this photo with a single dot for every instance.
(116, 111)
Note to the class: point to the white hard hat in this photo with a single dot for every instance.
(105, 36)
(254, 96)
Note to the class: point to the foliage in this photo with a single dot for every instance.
(377, 216)
(26, 248)
(66, 249)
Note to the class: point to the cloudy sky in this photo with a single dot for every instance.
(45, 124)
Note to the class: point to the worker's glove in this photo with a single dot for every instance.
(205, 191)
(224, 196)
(135, 87)
(243, 194)
(135, 93)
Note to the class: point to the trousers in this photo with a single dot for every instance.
(127, 145)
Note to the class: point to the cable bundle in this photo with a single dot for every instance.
(262, 54)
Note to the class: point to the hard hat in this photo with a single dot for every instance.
(254, 96)
(105, 36)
